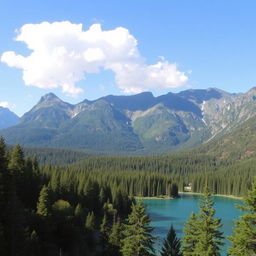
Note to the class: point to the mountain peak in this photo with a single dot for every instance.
(49, 97)
(7, 118)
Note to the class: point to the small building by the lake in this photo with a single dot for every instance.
(188, 188)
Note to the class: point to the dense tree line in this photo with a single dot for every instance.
(88, 208)
(56, 156)
(41, 217)
(232, 180)
(222, 176)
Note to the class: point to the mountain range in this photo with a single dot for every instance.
(141, 123)
(7, 118)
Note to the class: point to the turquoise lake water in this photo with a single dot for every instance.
(164, 212)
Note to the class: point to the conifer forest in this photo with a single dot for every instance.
(89, 207)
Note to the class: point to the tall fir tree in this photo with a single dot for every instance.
(138, 240)
(90, 221)
(14, 222)
(190, 238)
(17, 162)
(210, 238)
(115, 238)
(3, 155)
(44, 203)
(171, 245)
(104, 232)
(244, 233)
(3, 192)
(205, 237)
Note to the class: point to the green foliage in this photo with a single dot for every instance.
(210, 239)
(17, 162)
(44, 203)
(244, 233)
(56, 156)
(102, 188)
(171, 245)
(62, 207)
(90, 221)
(116, 124)
(78, 210)
(137, 233)
(115, 238)
(202, 235)
(190, 238)
(235, 146)
(104, 232)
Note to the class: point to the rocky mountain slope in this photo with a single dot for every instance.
(7, 118)
(139, 123)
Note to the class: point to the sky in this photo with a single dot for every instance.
(88, 49)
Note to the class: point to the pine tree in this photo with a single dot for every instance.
(90, 221)
(210, 238)
(3, 192)
(202, 235)
(2, 241)
(104, 232)
(138, 240)
(89, 229)
(17, 161)
(244, 237)
(15, 235)
(3, 155)
(191, 231)
(34, 245)
(115, 237)
(44, 204)
(78, 211)
(171, 245)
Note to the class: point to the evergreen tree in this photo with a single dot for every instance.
(3, 189)
(3, 155)
(137, 233)
(78, 211)
(244, 237)
(104, 232)
(210, 238)
(190, 238)
(90, 221)
(15, 235)
(2, 241)
(44, 204)
(171, 245)
(17, 161)
(34, 245)
(115, 238)
(204, 237)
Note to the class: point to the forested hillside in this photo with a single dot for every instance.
(137, 124)
(82, 208)
(234, 146)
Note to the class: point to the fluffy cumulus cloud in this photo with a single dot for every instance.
(63, 53)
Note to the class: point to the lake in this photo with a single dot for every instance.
(164, 212)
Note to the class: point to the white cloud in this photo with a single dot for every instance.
(6, 104)
(63, 53)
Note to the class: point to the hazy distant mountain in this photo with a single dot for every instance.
(138, 123)
(7, 118)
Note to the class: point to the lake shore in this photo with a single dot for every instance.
(189, 193)
(229, 196)
(152, 197)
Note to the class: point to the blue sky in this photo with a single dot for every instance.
(204, 44)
